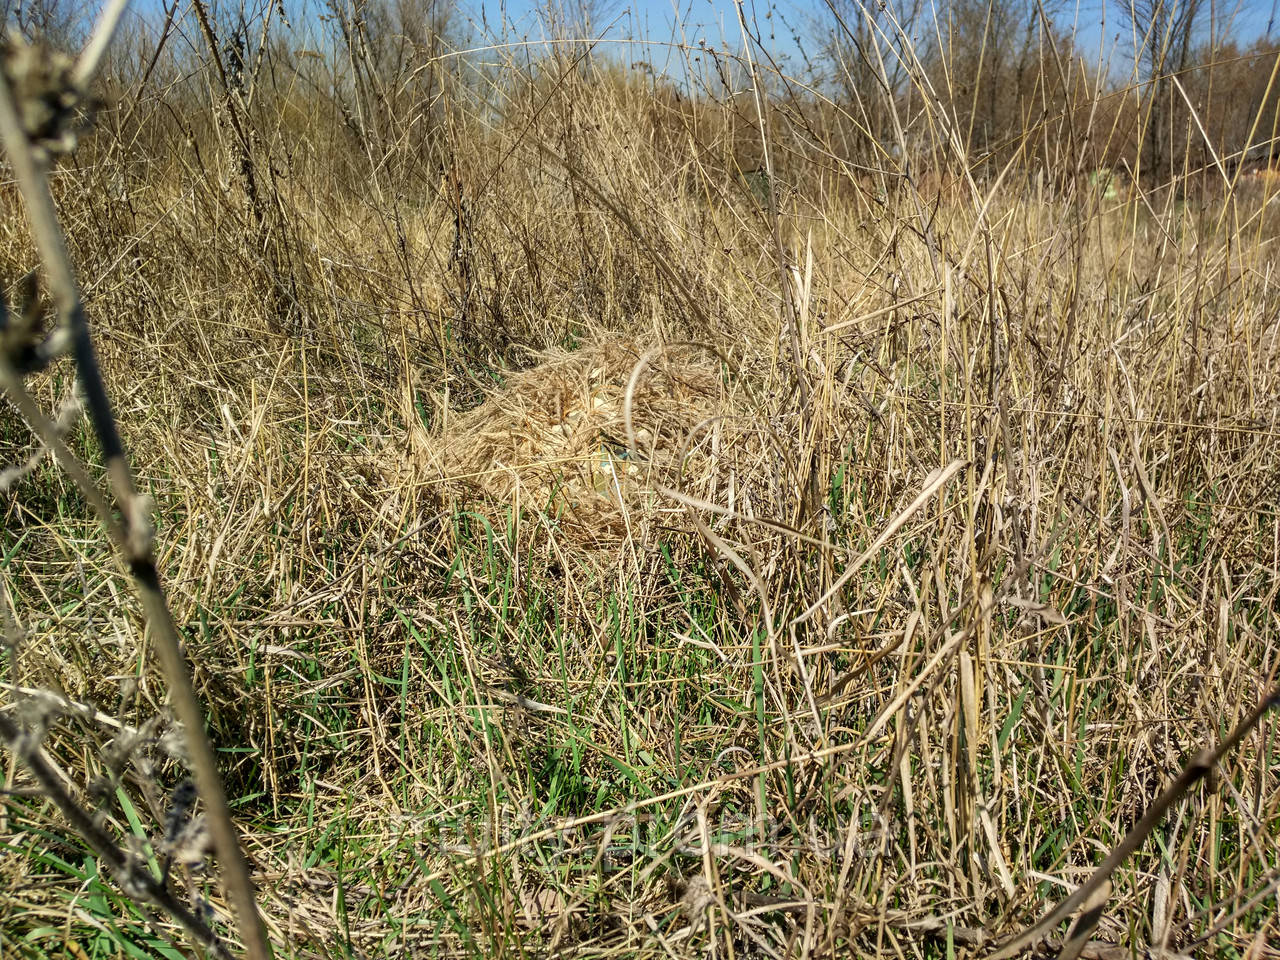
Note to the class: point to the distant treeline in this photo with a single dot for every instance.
(871, 92)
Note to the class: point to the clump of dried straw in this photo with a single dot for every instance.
(555, 437)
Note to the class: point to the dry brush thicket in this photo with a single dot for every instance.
(584, 541)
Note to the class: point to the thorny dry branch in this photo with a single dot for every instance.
(51, 95)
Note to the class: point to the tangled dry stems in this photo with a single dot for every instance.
(487, 686)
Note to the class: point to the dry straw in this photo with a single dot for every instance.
(938, 587)
(554, 437)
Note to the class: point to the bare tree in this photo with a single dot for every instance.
(1164, 32)
(1001, 68)
(863, 43)
(394, 50)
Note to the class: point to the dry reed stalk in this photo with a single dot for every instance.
(1092, 895)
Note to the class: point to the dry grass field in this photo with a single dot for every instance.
(616, 514)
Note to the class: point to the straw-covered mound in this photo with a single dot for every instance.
(555, 437)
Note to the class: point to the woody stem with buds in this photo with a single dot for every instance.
(132, 535)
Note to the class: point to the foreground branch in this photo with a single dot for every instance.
(132, 876)
(134, 539)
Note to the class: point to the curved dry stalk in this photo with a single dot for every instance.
(1200, 766)
(134, 539)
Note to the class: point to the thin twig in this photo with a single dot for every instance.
(90, 58)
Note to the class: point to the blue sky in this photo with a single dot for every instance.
(658, 22)
(1100, 25)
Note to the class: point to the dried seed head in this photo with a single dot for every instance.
(139, 531)
(119, 751)
(193, 845)
(128, 692)
(53, 109)
(35, 716)
(180, 804)
(133, 877)
(174, 743)
(697, 899)
(99, 790)
(186, 839)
